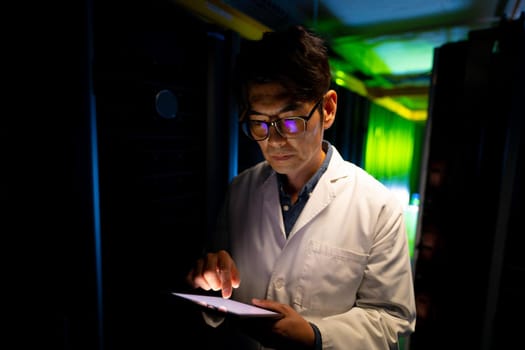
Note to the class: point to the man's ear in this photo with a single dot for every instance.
(329, 107)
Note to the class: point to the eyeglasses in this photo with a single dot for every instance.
(290, 128)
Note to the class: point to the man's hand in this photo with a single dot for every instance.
(291, 331)
(216, 271)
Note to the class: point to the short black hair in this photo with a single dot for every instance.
(296, 57)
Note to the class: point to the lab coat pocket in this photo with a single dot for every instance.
(330, 277)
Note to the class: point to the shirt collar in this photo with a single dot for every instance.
(310, 185)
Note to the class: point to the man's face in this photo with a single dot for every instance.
(291, 156)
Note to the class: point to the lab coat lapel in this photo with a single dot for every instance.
(319, 199)
(330, 184)
(272, 208)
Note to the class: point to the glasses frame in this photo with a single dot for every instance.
(247, 131)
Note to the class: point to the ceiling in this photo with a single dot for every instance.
(380, 49)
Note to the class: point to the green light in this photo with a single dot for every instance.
(360, 54)
(391, 155)
(406, 57)
(411, 214)
(389, 145)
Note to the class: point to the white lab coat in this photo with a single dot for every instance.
(345, 266)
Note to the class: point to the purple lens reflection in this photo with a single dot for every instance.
(290, 126)
(260, 128)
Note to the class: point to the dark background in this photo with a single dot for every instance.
(87, 75)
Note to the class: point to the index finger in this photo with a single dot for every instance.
(226, 283)
(229, 276)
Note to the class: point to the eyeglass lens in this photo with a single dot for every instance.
(288, 127)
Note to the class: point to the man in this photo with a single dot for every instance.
(306, 233)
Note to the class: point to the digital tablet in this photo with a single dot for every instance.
(228, 306)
